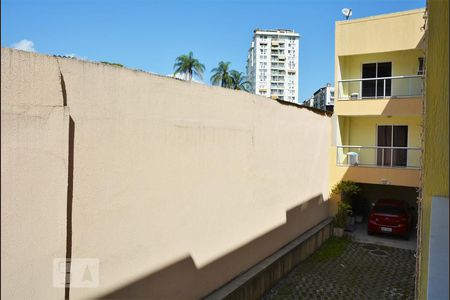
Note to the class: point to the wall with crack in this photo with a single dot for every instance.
(162, 170)
(34, 153)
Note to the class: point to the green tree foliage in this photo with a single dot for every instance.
(347, 189)
(188, 66)
(239, 81)
(221, 75)
(112, 64)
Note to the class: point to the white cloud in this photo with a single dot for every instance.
(24, 45)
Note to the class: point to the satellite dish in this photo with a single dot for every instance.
(347, 12)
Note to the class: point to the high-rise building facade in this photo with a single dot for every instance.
(272, 64)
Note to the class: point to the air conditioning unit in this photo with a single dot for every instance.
(352, 158)
(354, 96)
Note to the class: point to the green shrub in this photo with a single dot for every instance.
(340, 219)
(347, 189)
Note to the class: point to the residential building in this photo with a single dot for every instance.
(324, 98)
(309, 102)
(379, 105)
(272, 64)
(433, 244)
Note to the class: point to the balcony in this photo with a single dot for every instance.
(277, 92)
(276, 66)
(379, 157)
(277, 86)
(382, 96)
(408, 86)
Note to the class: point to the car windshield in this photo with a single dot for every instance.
(391, 210)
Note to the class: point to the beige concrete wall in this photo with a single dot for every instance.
(178, 187)
(34, 153)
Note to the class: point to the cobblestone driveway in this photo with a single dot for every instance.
(359, 271)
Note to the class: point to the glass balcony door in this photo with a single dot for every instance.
(392, 136)
(376, 88)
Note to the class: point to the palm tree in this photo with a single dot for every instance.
(239, 81)
(188, 65)
(221, 75)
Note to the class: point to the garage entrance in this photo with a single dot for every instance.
(370, 194)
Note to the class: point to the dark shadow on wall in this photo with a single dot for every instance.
(422, 44)
(63, 89)
(408, 106)
(183, 280)
(69, 206)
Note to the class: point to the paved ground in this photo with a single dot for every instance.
(344, 269)
(360, 235)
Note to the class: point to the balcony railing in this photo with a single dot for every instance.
(379, 156)
(381, 88)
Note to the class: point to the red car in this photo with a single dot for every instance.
(391, 217)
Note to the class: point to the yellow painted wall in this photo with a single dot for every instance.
(405, 62)
(371, 175)
(380, 107)
(389, 32)
(362, 131)
(393, 37)
(436, 123)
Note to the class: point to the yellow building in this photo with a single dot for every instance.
(378, 108)
(433, 246)
(390, 131)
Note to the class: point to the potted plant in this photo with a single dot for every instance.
(340, 219)
(349, 191)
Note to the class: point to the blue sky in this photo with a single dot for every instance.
(149, 35)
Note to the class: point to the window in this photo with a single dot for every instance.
(392, 136)
(376, 88)
(421, 65)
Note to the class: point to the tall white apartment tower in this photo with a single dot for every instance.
(272, 64)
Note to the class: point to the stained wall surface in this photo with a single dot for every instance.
(177, 186)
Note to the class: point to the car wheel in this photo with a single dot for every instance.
(369, 232)
(406, 237)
